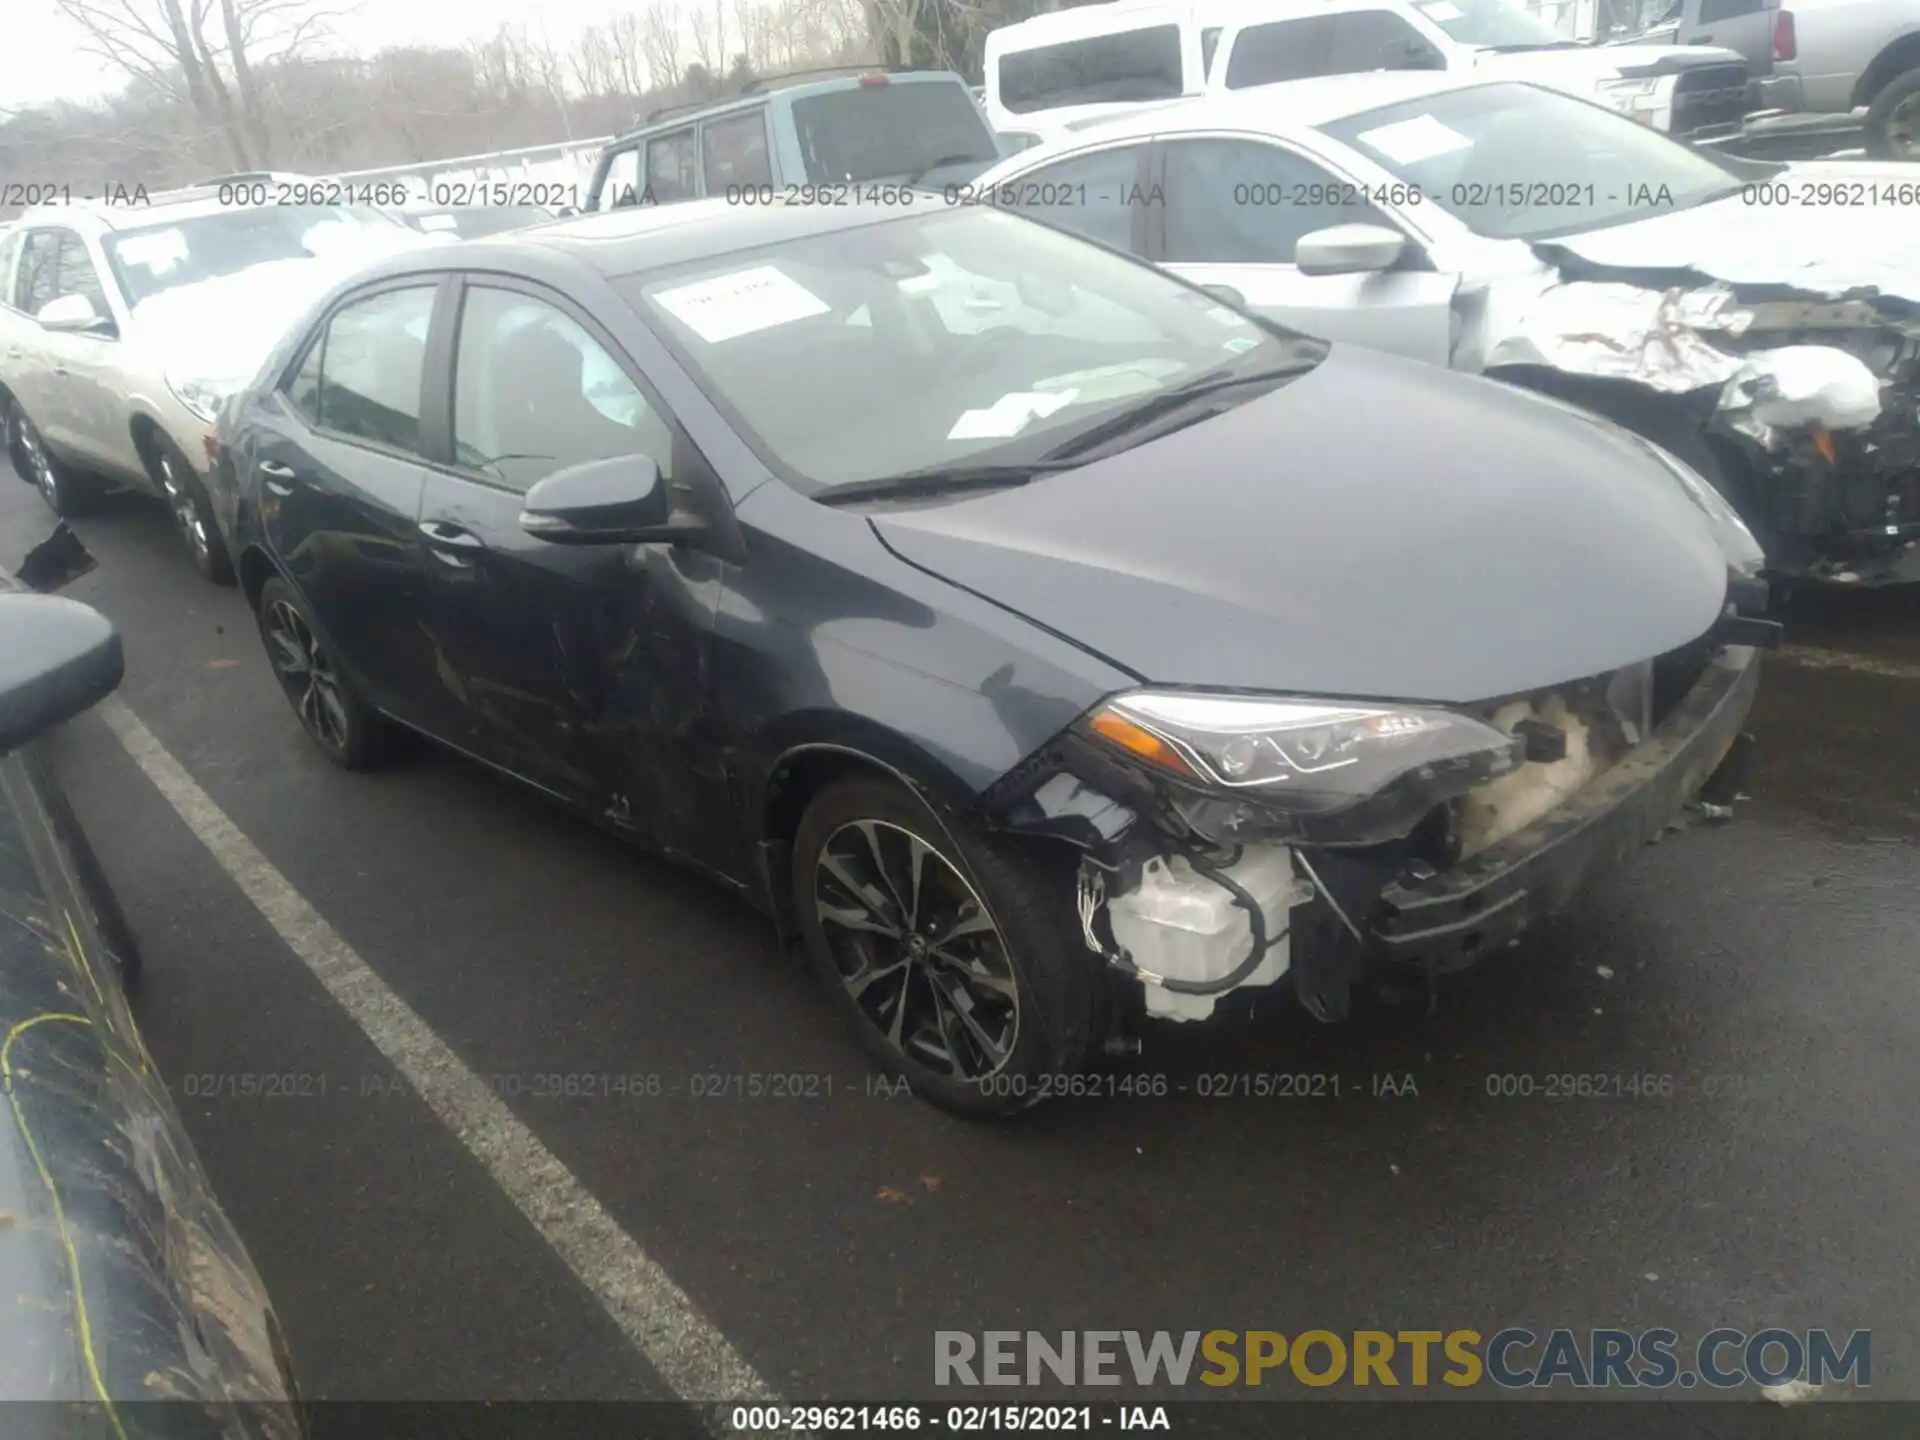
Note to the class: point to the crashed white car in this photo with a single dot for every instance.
(123, 326)
(1760, 321)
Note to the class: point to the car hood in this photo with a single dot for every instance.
(1596, 64)
(1833, 234)
(1376, 528)
(221, 330)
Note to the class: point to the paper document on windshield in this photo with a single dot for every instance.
(741, 303)
(1408, 142)
(1009, 415)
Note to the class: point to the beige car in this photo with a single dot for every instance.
(123, 327)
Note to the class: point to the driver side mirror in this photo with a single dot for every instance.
(74, 315)
(1349, 250)
(57, 658)
(622, 501)
(1411, 55)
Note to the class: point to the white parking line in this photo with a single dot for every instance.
(662, 1323)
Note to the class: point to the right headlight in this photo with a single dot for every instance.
(1375, 769)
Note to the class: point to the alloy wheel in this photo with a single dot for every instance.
(1903, 129)
(186, 513)
(306, 674)
(917, 949)
(39, 464)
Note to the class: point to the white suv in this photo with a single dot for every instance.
(123, 327)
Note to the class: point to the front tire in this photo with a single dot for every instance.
(192, 513)
(65, 492)
(1893, 120)
(348, 731)
(954, 955)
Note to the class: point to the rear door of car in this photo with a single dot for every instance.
(340, 447)
(568, 660)
(1236, 206)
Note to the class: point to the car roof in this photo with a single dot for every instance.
(165, 207)
(1284, 105)
(785, 88)
(652, 237)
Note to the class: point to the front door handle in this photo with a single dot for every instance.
(277, 476)
(447, 540)
(14, 352)
(60, 370)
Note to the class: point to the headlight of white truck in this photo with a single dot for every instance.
(202, 396)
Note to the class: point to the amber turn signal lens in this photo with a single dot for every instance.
(1823, 442)
(1138, 741)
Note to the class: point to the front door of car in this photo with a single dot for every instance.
(33, 352)
(578, 667)
(339, 465)
(85, 364)
(1235, 209)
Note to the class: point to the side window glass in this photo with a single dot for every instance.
(533, 393)
(733, 152)
(1240, 202)
(622, 186)
(1092, 195)
(375, 354)
(670, 168)
(9, 251)
(77, 275)
(39, 268)
(1378, 40)
(1282, 50)
(1209, 42)
(303, 389)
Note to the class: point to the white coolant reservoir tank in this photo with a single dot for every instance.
(1186, 926)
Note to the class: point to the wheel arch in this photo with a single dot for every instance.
(254, 567)
(1898, 57)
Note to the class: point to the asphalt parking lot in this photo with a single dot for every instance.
(1766, 966)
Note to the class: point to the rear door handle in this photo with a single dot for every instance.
(16, 353)
(60, 370)
(448, 540)
(277, 476)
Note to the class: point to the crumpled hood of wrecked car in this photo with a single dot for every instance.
(1825, 240)
(1375, 528)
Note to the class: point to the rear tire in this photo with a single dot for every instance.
(66, 492)
(347, 730)
(192, 512)
(1893, 120)
(955, 956)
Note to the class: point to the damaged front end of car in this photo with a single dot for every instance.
(1230, 841)
(1802, 406)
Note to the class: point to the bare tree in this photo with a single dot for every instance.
(591, 60)
(660, 43)
(205, 52)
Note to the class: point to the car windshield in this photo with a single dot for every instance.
(157, 258)
(1496, 24)
(1515, 162)
(939, 339)
(889, 132)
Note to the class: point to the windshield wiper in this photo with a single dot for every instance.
(943, 480)
(1168, 401)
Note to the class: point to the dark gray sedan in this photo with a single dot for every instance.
(1035, 637)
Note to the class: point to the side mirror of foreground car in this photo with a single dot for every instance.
(57, 658)
(72, 314)
(1349, 250)
(621, 501)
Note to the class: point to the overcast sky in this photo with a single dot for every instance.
(40, 58)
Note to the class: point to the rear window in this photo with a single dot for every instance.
(1101, 69)
(888, 132)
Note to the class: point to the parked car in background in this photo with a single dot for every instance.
(1028, 632)
(801, 132)
(1750, 27)
(1103, 59)
(474, 221)
(126, 1282)
(1734, 313)
(1830, 57)
(122, 327)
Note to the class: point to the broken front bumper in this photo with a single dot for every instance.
(1436, 917)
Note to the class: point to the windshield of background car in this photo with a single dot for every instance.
(888, 132)
(1513, 162)
(1497, 23)
(966, 336)
(157, 258)
(1127, 65)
